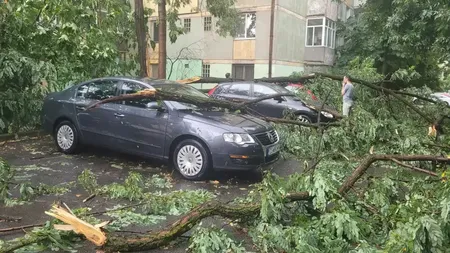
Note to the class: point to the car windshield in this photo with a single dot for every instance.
(279, 89)
(177, 88)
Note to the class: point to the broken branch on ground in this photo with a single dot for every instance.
(112, 242)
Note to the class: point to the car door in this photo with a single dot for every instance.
(142, 127)
(97, 125)
(237, 92)
(268, 107)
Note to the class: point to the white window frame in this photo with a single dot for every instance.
(206, 70)
(246, 25)
(187, 25)
(328, 27)
(207, 25)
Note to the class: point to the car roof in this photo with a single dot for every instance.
(146, 80)
(246, 82)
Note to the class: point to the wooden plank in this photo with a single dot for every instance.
(244, 49)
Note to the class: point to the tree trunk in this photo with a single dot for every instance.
(272, 17)
(162, 39)
(141, 36)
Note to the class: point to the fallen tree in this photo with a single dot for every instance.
(326, 182)
(152, 240)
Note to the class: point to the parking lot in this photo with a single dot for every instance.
(37, 161)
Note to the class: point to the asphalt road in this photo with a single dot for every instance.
(37, 161)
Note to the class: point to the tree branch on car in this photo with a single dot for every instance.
(204, 102)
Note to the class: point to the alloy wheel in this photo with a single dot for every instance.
(65, 137)
(190, 160)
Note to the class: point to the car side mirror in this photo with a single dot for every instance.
(279, 99)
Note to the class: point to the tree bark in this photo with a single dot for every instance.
(181, 226)
(162, 39)
(141, 36)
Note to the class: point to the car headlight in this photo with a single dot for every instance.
(327, 114)
(240, 139)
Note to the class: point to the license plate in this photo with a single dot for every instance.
(273, 150)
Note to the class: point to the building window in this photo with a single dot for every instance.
(243, 71)
(208, 23)
(330, 33)
(155, 32)
(320, 32)
(206, 70)
(154, 69)
(247, 26)
(187, 25)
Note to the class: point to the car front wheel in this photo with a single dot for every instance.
(304, 119)
(66, 137)
(191, 159)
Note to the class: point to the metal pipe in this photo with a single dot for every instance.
(272, 18)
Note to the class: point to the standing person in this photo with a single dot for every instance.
(347, 96)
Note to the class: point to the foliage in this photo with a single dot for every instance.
(43, 239)
(6, 175)
(124, 218)
(27, 191)
(399, 35)
(154, 201)
(213, 239)
(47, 45)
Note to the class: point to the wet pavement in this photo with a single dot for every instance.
(37, 161)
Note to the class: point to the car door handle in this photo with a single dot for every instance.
(119, 115)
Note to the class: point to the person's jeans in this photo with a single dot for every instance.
(347, 108)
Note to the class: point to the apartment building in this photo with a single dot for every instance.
(304, 37)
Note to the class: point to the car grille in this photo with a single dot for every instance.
(267, 138)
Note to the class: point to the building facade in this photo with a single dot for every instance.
(304, 37)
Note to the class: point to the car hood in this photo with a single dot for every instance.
(228, 121)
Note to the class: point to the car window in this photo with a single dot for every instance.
(241, 89)
(221, 89)
(262, 90)
(98, 90)
(131, 88)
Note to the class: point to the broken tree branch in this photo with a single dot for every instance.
(3, 230)
(11, 246)
(369, 160)
(157, 239)
(203, 102)
(415, 168)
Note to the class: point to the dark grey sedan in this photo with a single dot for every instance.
(196, 140)
(277, 107)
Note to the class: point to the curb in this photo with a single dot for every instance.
(33, 133)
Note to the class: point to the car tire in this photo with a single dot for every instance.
(191, 159)
(304, 119)
(66, 137)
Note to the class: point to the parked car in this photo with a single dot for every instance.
(442, 96)
(277, 107)
(196, 140)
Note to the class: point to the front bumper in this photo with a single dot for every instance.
(245, 158)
